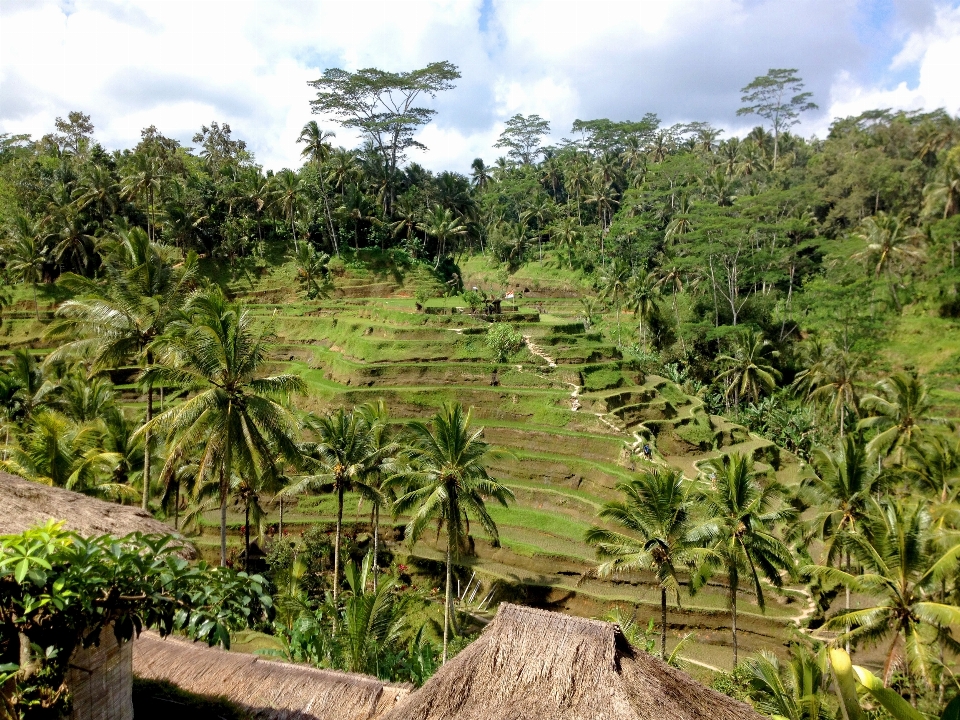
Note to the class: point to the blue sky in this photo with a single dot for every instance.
(179, 64)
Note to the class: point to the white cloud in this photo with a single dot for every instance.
(935, 51)
(179, 64)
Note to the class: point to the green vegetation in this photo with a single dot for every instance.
(732, 370)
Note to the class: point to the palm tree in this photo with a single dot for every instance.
(317, 148)
(566, 233)
(795, 690)
(342, 453)
(889, 243)
(384, 462)
(903, 568)
(900, 410)
(444, 226)
(141, 179)
(831, 379)
(479, 174)
(656, 511)
(749, 372)
(739, 532)
(448, 484)
(55, 450)
(121, 318)
(234, 417)
(642, 295)
(944, 190)
(287, 197)
(615, 285)
(671, 275)
(25, 255)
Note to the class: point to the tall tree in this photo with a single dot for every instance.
(342, 453)
(521, 137)
(234, 417)
(749, 371)
(382, 106)
(739, 532)
(25, 255)
(656, 511)
(778, 98)
(900, 409)
(121, 318)
(448, 484)
(903, 569)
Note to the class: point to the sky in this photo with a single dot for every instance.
(180, 64)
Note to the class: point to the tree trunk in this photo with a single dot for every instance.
(36, 303)
(336, 545)
(224, 492)
(280, 528)
(246, 535)
(847, 601)
(376, 543)
(176, 508)
(663, 623)
(145, 501)
(447, 601)
(733, 615)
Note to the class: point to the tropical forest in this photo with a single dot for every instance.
(700, 385)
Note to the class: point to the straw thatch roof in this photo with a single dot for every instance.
(535, 665)
(25, 504)
(266, 690)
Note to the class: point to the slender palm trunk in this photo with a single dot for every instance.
(145, 500)
(733, 615)
(847, 601)
(224, 492)
(36, 303)
(336, 544)
(376, 543)
(448, 599)
(246, 536)
(280, 528)
(176, 508)
(676, 311)
(663, 623)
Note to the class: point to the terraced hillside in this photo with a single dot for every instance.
(569, 412)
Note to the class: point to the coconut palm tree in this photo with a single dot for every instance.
(142, 179)
(566, 234)
(901, 408)
(121, 318)
(738, 532)
(903, 567)
(749, 372)
(342, 453)
(234, 418)
(317, 148)
(615, 285)
(384, 462)
(443, 225)
(831, 379)
(479, 174)
(794, 690)
(447, 484)
(656, 511)
(25, 254)
(287, 197)
(642, 294)
(55, 450)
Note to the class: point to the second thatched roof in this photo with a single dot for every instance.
(535, 665)
(263, 689)
(25, 504)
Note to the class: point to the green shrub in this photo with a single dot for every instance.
(504, 340)
(602, 379)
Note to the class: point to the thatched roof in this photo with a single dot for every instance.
(266, 690)
(25, 504)
(535, 665)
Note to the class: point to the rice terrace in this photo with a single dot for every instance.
(651, 417)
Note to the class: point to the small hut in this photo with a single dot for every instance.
(100, 678)
(536, 665)
(264, 689)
